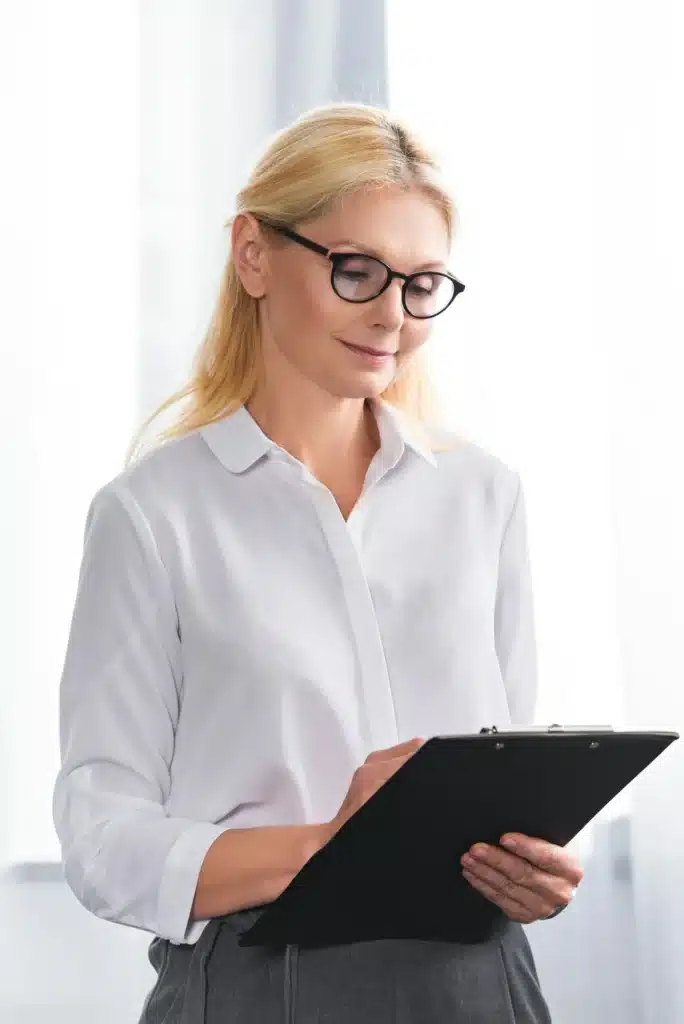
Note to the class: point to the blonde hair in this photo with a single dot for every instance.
(326, 153)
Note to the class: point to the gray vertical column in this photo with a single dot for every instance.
(327, 52)
(361, 51)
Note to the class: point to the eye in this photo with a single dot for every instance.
(357, 268)
(358, 278)
(352, 275)
(424, 285)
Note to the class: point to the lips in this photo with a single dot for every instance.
(370, 351)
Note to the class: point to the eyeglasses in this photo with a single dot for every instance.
(356, 277)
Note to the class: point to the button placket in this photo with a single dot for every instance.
(378, 713)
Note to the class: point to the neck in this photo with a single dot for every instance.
(332, 437)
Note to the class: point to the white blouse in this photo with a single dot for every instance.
(237, 648)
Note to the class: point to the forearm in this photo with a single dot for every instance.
(252, 866)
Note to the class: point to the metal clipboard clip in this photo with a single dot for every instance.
(555, 728)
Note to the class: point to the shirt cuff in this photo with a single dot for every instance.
(179, 883)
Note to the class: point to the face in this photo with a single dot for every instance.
(306, 328)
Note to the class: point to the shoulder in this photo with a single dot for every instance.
(462, 457)
(157, 481)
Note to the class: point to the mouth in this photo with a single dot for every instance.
(375, 355)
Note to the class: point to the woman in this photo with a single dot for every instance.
(276, 605)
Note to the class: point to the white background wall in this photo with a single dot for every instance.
(69, 332)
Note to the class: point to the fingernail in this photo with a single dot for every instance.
(509, 843)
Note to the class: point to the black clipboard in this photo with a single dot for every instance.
(393, 869)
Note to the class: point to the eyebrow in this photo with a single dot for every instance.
(370, 251)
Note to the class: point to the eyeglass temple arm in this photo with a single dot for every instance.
(314, 246)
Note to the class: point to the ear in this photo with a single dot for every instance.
(250, 254)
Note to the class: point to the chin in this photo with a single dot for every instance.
(372, 386)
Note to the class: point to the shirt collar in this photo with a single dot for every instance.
(398, 430)
(238, 441)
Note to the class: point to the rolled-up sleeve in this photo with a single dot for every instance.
(514, 615)
(124, 858)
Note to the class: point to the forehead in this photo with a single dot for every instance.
(399, 226)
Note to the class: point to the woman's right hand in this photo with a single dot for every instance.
(367, 780)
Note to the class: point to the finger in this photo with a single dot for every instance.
(374, 775)
(388, 768)
(383, 771)
(555, 860)
(512, 908)
(516, 870)
(535, 906)
(401, 749)
(540, 897)
(521, 873)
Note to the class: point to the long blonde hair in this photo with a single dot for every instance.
(326, 153)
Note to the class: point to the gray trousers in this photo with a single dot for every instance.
(390, 981)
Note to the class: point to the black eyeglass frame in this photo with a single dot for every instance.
(338, 257)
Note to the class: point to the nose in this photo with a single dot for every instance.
(387, 309)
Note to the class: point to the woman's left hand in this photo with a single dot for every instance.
(528, 880)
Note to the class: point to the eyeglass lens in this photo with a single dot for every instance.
(361, 278)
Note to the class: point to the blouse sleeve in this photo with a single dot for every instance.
(124, 858)
(514, 616)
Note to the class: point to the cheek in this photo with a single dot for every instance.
(324, 310)
(414, 334)
(306, 305)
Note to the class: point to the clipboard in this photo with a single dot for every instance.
(393, 869)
